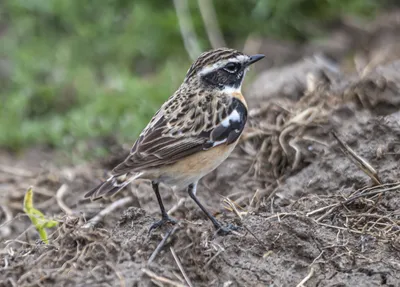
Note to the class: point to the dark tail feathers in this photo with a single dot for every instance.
(109, 187)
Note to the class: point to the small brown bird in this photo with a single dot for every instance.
(192, 133)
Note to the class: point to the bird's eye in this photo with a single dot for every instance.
(231, 67)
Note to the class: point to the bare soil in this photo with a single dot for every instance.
(308, 215)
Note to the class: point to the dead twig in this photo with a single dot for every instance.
(178, 262)
(318, 257)
(220, 250)
(359, 161)
(116, 204)
(160, 246)
(367, 194)
(341, 228)
(375, 191)
(161, 279)
(327, 213)
(272, 194)
(283, 214)
(233, 206)
(321, 209)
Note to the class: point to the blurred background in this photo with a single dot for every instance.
(81, 75)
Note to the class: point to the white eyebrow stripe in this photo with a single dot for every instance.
(242, 58)
(213, 67)
(218, 65)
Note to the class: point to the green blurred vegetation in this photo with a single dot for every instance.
(74, 70)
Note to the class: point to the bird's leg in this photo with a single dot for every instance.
(223, 230)
(164, 215)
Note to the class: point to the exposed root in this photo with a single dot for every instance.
(308, 277)
(5, 229)
(59, 196)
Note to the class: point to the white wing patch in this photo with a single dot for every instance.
(234, 117)
(218, 143)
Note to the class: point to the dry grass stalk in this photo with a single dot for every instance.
(161, 279)
(358, 160)
(234, 207)
(113, 206)
(376, 221)
(162, 243)
(180, 266)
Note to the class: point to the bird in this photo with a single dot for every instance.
(192, 133)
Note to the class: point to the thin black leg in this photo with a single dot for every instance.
(164, 215)
(222, 230)
(157, 192)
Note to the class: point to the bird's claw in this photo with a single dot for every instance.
(164, 220)
(225, 230)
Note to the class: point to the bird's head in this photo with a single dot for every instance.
(221, 69)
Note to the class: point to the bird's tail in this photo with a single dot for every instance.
(111, 186)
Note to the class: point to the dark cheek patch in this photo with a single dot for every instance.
(221, 79)
(211, 79)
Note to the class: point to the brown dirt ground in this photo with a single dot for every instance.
(307, 212)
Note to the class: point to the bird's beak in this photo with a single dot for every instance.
(255, 58)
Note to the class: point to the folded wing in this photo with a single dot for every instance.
(165, 142)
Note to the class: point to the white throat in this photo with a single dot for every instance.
(231, 90)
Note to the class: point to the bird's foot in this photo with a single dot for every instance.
(164, 220)
(225, 230)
